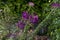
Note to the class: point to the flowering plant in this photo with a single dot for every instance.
(29, 20)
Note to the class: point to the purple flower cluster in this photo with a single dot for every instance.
(27, 17)
(33, 18)
(55, 5)
(21, 24)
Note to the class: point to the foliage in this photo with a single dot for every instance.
(11, 13)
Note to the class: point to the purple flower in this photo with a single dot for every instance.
(20, 24)
(25, 15)
(33, 18)
(55, 5)
(31, 4)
